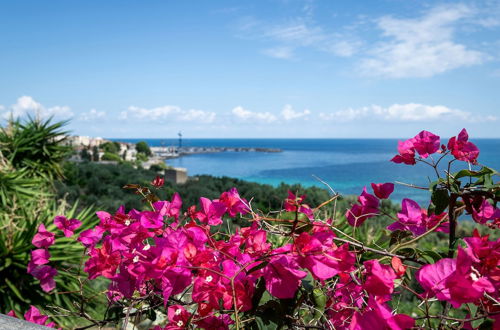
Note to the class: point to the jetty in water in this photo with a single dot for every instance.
(174, 152)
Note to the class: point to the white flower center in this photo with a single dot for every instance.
(127, 222)
(180, 324)
(178, 311)
(209, 278)
(136, 259)
(474, 274)
(146, 247)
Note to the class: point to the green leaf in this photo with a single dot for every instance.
(429, 255)
(259, 266)
(440, 198)
(398, 235)
(319, 299)
(15, 290)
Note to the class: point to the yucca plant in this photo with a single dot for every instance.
(35, 146)
(30, 158)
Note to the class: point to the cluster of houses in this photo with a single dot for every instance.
(86, 145)
(89, 148)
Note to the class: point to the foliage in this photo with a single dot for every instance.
(35, 146)
(111, 156)
(111, 147)
(142, 147)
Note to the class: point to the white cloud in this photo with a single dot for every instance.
(279, 52)
(288, 113)
(298, 33)
(197, 115)
(167, 112)
(93, 114)
(247, 115)
(410, 112)
(421, 47)
(26, 105)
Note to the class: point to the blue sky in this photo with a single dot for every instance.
(296, 69)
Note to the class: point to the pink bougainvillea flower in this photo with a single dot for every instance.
(33, 315)
(45, 274)
(103, 261)
(283, 276)
(454, 280)
(406, 153)
(383, 190)
(208, 290)
(158, 182)
(379, 317)
(426, 143)
(40, 257)
(233, 202)
(295, 204)
(484, 212)
(170, 209)
(211, 212)
(368, 207)
(292, 202)
(90, 237)
(485, 255)
(216, 323)
(322, 257)
(379, 278)
(178, 317)
(462, 149)
(415, 219)
(68, 226)
(433, 277)
(43, 238)
(255, 241)
(467, 284)
(151, 220)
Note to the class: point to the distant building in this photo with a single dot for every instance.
(177, 175)
(84, 141)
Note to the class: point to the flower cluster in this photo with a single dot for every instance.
(368, 204)
(426, 143)
(43, 239)
(466, 278)
(184, 264)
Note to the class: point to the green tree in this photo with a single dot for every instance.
(111, 147)
(142, 157)
(85, 155)
(111, 156)
(95, 154)
(143, 147)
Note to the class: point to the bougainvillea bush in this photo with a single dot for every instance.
(177, 267)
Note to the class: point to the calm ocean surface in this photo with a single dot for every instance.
(347, 165)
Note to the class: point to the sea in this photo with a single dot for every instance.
(344, 166)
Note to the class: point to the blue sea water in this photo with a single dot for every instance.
(347, 165)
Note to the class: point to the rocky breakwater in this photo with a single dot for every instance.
(172, 152)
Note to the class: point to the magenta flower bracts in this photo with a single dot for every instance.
(33, 315)
(68, 226)
(462, 149)
(221, 264)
